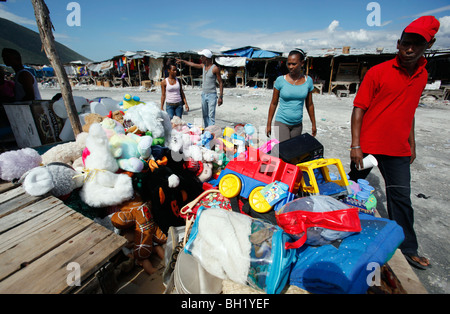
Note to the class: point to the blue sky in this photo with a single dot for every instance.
(109, 26)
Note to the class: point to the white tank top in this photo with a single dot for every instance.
(173, 94)
(20, 92)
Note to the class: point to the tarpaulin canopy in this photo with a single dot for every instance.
(100, 67)
(231, 61)
(252, 53)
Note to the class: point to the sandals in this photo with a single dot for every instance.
(415, 263)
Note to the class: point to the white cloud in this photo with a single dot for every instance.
(359, 36)
(438, 10)
(444, 29)
(332, 27)
(443, 35)
(330, 37)
(15, 18)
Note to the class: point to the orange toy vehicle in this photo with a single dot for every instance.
(253, 170)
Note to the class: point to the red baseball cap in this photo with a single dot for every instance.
(425, 26)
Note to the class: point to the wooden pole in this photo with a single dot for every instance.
(128, 71)
(331, 74)
(45, 27)
(139, 70)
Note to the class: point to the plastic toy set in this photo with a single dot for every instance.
(250, 173)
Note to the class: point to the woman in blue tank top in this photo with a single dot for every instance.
(292, 92)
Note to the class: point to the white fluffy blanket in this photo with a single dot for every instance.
(222, 244)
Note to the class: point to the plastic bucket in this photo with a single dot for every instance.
(362, 195)
(191, 278)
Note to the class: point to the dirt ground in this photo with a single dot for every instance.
(430, 171)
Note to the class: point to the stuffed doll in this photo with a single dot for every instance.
(67, 153)
(130, 101)
(117, 115)
(57, 178)
(137, 214)
(162, 188)
(149, 118)
(91, 119)
(13, 164)
(131, 150)
(111, 127)
(102, 186)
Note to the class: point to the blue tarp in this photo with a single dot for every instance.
(252, 53)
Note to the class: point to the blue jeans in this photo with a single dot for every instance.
(397, 177)
(209, 102)
(174, 110)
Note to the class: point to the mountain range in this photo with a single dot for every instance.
(28, 43)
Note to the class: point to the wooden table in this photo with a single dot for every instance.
(40, 237)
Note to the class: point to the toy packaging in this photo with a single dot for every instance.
(274, 192)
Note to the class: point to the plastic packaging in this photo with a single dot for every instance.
(317, 220)
(242, 249)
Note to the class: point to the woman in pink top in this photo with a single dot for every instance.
(172, 94)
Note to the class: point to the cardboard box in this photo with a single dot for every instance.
(146, 84)
(34, 123)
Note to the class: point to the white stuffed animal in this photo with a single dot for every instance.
(66, 153)
(148, 117)
(13, 164)
(57, 178)
(102, 186)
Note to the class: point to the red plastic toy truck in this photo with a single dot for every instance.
(253, 170)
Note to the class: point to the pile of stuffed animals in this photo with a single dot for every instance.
(133, 155)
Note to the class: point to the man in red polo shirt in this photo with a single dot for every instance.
(382, 124)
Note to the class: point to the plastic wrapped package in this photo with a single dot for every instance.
(237, 247)
(317, 220)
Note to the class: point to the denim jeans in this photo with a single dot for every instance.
(174, 110)
(209, 102)
(397, 177)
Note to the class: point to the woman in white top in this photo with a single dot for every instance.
(172, 94)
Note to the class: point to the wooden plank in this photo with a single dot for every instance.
(29, 241)
(27, 213)
(17, 202)
(6, 186)
(90, 249)
(11, 194)
(405, 274)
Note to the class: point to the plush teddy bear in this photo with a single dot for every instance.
(164, 189)
(117, 115)
(68, 153)
(57, 178)
(149, 118)
(137, 214)
(13, 164)
(111, 127)
(91, 119)
(103, 187)
(131, 150)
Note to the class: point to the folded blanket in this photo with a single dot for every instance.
(220, 242)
